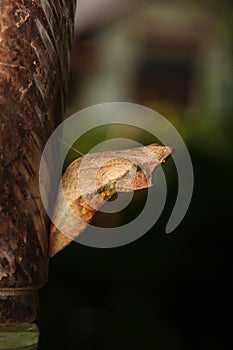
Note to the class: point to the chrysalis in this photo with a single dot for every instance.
(94, 178)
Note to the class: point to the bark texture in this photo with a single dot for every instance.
(35, 39)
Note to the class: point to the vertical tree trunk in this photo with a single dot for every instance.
(35, 38)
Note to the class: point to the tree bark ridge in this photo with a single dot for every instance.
(35, 41)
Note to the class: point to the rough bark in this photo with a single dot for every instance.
(35, 38)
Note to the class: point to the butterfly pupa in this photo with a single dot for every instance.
(94, 178)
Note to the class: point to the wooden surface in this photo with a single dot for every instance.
(35, 39)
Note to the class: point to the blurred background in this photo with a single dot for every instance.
(162, 291)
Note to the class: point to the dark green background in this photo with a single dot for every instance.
(166, 292)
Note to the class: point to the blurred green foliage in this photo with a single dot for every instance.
(162, 291)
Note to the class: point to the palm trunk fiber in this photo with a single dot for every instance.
(35, 39)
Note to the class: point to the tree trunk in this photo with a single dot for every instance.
(35, 39)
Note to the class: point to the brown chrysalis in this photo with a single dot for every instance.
(94, 178)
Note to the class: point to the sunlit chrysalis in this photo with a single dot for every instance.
(94, 178)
